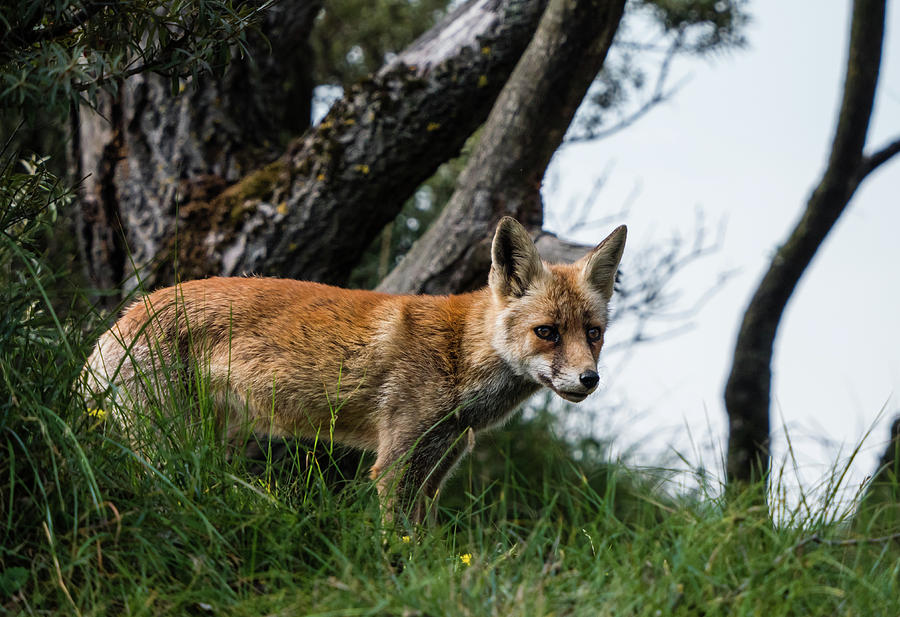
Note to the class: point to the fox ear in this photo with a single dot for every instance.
(515, 263)
(600, 265)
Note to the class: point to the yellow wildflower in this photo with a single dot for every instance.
(98, 413)
(466, 559)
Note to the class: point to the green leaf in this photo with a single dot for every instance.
(11, 580)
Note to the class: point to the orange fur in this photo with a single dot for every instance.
(410, 377)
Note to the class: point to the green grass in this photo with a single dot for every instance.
(94, 528)
(531, 524)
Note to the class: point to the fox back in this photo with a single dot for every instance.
(409, 377)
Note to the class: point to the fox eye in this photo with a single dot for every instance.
(594, 334)
(548, 333)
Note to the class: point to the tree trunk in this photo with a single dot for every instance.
(526, 126)
(147, 154)
(196, 181)
(747, 390)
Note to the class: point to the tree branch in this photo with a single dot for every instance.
(557, 250)
(378, 144)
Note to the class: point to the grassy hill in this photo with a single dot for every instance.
(531, 524)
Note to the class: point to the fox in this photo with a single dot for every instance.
(411, 378)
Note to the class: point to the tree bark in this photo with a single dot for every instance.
(198, 185)
(526, 126)
(146, 154)
(747, 391)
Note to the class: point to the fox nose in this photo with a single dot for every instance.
(589, 379)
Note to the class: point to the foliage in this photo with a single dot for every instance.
(54, 50)
(353, 38)
(45, 465)
(651, 36)
(709, 25)
(58, 53)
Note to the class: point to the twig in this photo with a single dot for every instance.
(813, 539)
(38, 35)
(660, 95)
(817, 539)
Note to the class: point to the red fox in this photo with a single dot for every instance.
(408, 377)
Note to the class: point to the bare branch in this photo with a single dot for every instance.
(644, 294)
(817, 539)
(660, 94)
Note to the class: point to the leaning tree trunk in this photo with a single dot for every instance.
(747, 390)
(504, 173)
(197, 187)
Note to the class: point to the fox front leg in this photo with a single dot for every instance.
(409, 473)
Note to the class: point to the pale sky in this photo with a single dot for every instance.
(746, 140)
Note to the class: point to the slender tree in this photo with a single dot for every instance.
(747, 391)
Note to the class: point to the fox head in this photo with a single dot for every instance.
(551, 319)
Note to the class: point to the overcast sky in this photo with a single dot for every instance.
(745, 140)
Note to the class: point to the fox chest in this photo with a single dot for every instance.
(493, 402)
